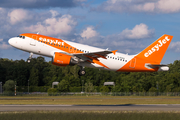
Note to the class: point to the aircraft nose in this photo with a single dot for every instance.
(11, 41)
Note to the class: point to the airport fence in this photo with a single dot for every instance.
(91, 94)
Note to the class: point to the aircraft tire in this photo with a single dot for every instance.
(82, 72)
(28, 60)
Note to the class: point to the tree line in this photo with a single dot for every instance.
(40, 74)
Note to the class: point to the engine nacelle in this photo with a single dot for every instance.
(61, 59)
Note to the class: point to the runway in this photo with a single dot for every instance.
(127, 107)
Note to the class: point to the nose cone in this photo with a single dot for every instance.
(12, 41)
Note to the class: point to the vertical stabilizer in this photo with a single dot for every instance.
(150, 58)
(156, 50)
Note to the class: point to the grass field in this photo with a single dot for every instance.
(88, 115)
(89, 100)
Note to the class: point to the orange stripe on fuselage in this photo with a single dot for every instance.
(53, 42)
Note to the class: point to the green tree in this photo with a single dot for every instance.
(104, 89)
(89, 87)
(152, 89)
(22, 73)
(2, 73)
(34, 77)
(63, 86)
(9, 86)
(52, 91)
(169, 88)
(176, 89)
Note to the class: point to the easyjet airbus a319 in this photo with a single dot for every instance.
(65, 53)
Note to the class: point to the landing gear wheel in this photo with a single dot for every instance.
(82, 72)
(28, 60)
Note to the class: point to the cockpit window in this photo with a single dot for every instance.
(21, 36)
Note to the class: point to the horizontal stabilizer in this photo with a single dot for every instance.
(156, 65)
(161, 67)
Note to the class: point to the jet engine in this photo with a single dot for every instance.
(61, 59)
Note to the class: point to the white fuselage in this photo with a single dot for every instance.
(113, 62)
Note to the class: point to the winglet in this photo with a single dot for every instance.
(114, 51)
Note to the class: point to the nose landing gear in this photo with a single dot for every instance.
(30, 56)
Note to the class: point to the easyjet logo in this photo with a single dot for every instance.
(157, 46)
(51, 41)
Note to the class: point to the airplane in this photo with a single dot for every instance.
(65, 53)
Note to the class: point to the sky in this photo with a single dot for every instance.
(128, 26)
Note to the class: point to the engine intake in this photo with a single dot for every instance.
(61, 59)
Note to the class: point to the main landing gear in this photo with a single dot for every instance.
(30, 56)
(81, 71)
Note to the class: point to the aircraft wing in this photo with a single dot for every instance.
(94, 55)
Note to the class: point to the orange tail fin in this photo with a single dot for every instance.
(155, 52)
(150, 58)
